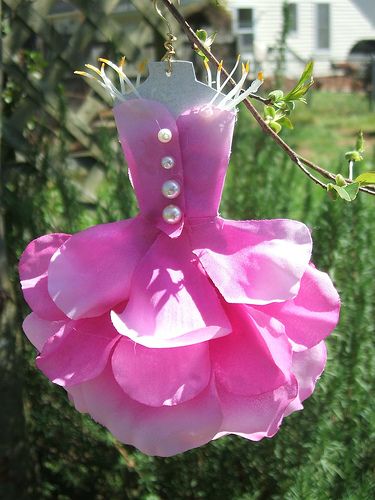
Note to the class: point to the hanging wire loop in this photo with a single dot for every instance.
(169, 43)
(170, 51)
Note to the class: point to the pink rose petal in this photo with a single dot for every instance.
(39, 330)
(33, 268)
(255, 417)
(308, 365)
(255, 358)
(163, 431)
(313, 313)
(253, 262)
(158, 377)
(172, 302)
(79, 352)
(92, 272)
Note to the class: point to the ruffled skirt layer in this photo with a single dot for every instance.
(170, 343)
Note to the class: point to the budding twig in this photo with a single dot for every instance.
(301, 162)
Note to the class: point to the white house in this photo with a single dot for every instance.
(327, 31)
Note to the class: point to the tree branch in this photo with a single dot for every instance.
(301, 162)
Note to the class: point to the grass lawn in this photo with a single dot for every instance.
(326, 128)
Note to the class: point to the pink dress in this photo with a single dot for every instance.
(177, 327)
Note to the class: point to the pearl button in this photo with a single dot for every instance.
(171, 189)
(172, 214)
(164, 135)
(167, 162)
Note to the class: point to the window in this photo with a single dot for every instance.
(323, 26)
(245, 42)
(245, 18)
(244, 30)
(292, 17)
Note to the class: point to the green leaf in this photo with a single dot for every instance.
(360, 144)
(340, 191)
(201, 54)
(275, 126)
(343, 193)
(291, 105)
(303, 84)
(352, 190)
(281, 105)
(276, 95)
(202, 35)
(206, 40)
(353, 156)
(366, 178)
(332, 191)
(307, 72)
(285, 122)
(340, 181)
(269, 111)
(210, 39)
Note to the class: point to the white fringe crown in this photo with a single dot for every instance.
(229, 101)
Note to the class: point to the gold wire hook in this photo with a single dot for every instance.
(168, 44)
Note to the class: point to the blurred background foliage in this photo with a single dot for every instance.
(62, 170)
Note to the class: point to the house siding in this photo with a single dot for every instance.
(349, 24)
